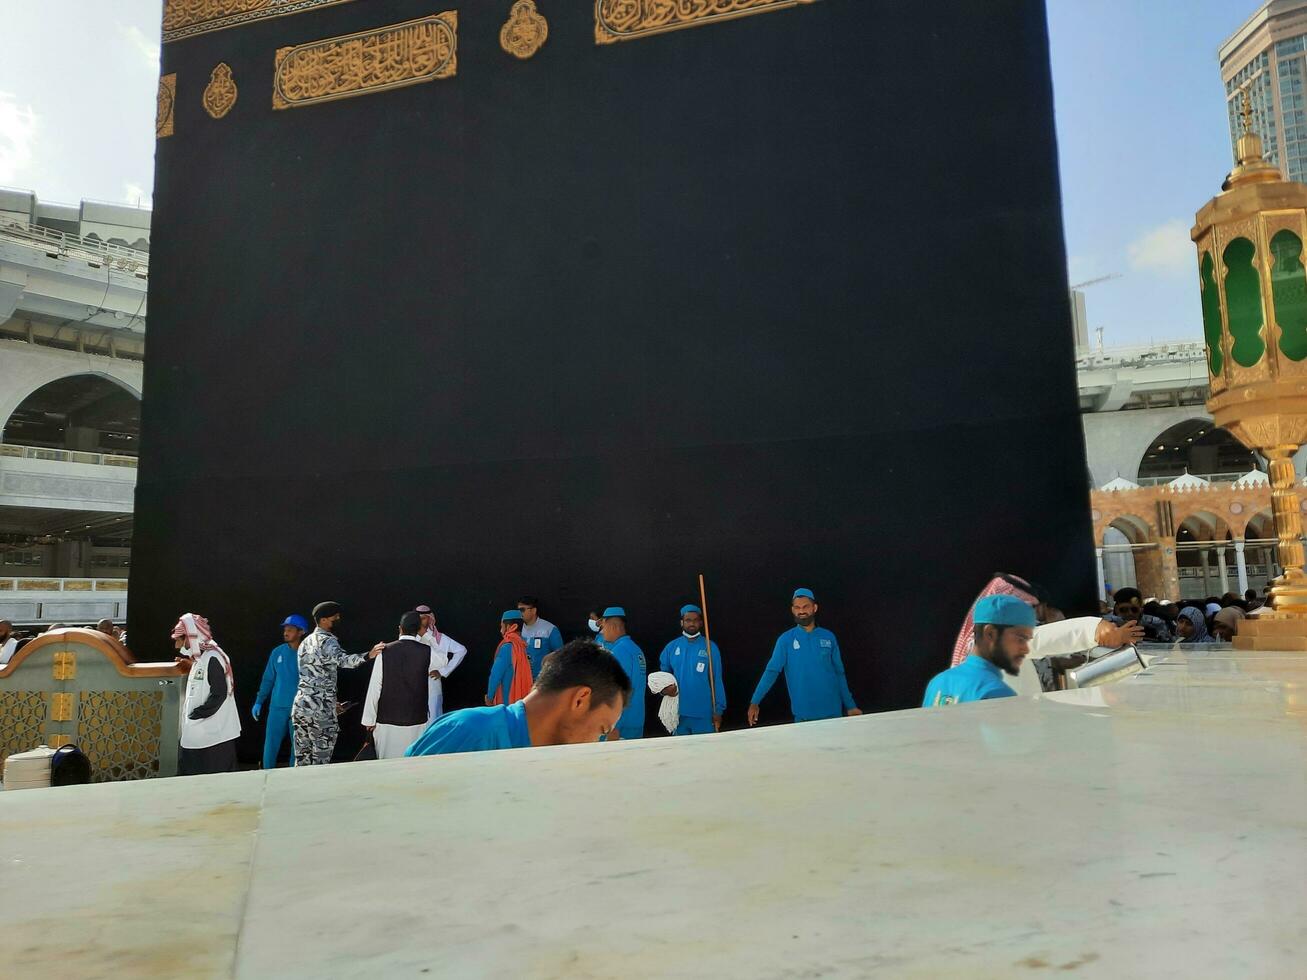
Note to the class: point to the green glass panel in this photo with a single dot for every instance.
(1243, 302)
(1289, 288)
(1211, 315)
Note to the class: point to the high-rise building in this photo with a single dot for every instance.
(1268, 54)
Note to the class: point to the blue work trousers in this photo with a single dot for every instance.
(694, 726)
(278, 731)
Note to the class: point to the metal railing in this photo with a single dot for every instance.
(66, 456)
(1160, 351)
(63, 245)
(1227, 545)
(1157, 481)
(19, 584)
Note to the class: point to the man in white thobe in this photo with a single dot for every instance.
(446, 654)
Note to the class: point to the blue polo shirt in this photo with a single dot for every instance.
(814, 674)
(631, 657)
(975, 679)
(475, 730)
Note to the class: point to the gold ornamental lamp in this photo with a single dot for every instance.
(1254, 302)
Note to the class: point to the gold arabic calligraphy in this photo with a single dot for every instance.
(185, 18)
(220, 94)
(163, 118)
(622, 20)
(371, 61)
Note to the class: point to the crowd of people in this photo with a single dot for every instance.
(1211, 620)
(540, 690)
(11, 640)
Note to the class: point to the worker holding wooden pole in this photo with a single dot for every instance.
(701, 697)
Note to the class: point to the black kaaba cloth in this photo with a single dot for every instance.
(780, 299)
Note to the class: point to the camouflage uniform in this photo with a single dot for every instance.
(313, 714)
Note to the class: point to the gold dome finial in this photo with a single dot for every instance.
(1251, 167)
(1246, 109)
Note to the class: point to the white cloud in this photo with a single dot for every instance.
(137, 195)
(17, 138)
(1165, 249)
(146, 50)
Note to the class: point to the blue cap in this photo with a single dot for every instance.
(690, 609)
(615, 611)
(511, 616)
(804, 594)
(296, 620)
(1003, 610)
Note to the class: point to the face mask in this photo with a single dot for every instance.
(594, 625)
(690, 636)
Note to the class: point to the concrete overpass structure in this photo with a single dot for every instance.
(73, 283)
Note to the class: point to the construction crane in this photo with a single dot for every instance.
(1094, 282)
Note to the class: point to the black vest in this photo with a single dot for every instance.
(403, 700)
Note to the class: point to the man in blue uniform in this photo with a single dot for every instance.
(631, 657)
(281, 678)
(1004, 627)
(577, 698)
(510, 672)
(542, 637)
(686, 659)
(809, 656)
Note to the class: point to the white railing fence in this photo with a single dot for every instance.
(59, 244)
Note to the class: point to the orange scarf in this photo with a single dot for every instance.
(522, 682)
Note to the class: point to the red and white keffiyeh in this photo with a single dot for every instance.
(1000, 584)
(199, 641)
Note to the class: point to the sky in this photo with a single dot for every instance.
(1140, 109)
(1143, 143)
(78, 87)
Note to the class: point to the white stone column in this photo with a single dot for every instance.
(1241, 566)
(1102, 575)
(1207, 571)
(1221, 569)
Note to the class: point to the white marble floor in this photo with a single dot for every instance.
(1157, 828)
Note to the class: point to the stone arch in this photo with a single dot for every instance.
(1201, 544)
(1195, 445)
(26, 370)
(1203, 524)
(1260, 558)
(1136, 529)
(87, 411)
(1259, 525)
(1118, 539)
(1115, 442)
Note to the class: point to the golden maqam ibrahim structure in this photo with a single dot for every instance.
(1254, 300)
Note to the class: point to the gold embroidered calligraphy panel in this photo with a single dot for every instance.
(371, 61)
(163, 126)
(623, 20)
(185, 18)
